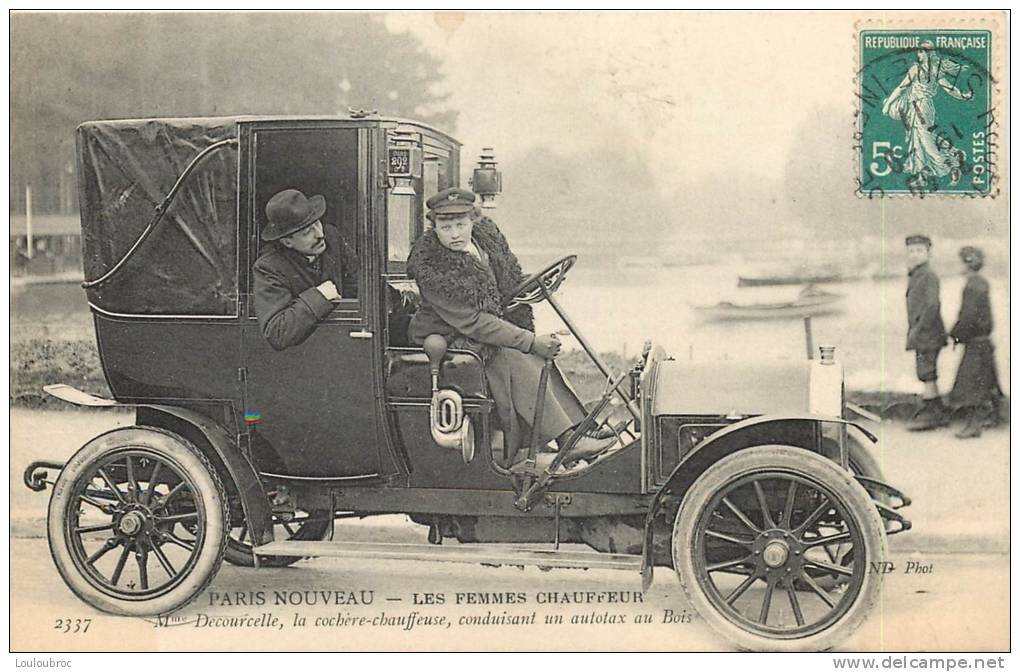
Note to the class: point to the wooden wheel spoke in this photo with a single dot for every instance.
(94, 502)
(794, 602)
(828, 567)
(151, 490)
(132, 482)
(766, 604)
(290, 530)
(94, 528)
(817, 589)
(99, 494)
(726, 564)
(725, 537)
(165, 561)
(840, 538)
(788, 509)
(741, 589)
(244, 533)
(168, 496)
(764, 504)
(119, 569)
(103, 550)
(177, 541)
(109, 483)
(142, 557)
(177, 518)
(815, 515)
(740, 515)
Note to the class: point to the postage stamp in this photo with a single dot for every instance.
(926, 123)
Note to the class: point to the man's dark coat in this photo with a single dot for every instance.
(925, 330)
(287, 302)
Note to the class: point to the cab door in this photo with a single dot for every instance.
(311, 409)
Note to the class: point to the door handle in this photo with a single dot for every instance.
(362, 334)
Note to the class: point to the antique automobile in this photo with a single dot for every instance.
(747, 478)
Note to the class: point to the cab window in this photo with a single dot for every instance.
(315, 162)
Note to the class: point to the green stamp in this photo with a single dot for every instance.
(926, 121)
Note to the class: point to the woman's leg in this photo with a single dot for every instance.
(562, 409)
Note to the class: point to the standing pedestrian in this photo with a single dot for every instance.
(976, 389)
(926, 333)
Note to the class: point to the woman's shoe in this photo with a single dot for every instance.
(972, 429)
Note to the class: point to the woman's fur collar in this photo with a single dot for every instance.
(458, 276)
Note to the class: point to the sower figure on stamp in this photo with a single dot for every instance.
(926, 333)
(304, 271)
(465, 272)
(976, 389)
(912, 102)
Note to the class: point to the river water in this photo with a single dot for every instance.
(617, 310)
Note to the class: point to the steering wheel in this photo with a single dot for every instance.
(537, 286)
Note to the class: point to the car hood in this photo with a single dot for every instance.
(731, 388)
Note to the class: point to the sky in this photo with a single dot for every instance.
(764, 102)
(695, 93)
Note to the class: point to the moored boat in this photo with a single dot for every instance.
(811, 302)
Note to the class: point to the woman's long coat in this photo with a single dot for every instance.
(977, 382)
(462, 299)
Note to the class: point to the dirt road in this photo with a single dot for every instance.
(963, 604)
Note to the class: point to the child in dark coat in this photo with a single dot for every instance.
(926, 333)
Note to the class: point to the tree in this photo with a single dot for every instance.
(70, 68)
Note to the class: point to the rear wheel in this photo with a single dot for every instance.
(137, 522)
(760, 525)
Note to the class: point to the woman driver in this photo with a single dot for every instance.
(466, 272)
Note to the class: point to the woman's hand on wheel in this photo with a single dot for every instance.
(546, 346)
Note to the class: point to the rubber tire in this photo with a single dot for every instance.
(812, 466)
(240, 554)
(210, 493)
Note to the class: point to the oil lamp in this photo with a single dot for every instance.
(486, 180)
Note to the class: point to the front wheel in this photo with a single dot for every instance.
(137, 522)
(761, 525)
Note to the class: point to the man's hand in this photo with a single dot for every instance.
(329, 291)
(546, 346)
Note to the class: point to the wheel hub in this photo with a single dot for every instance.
(776, 553)
(131, 523)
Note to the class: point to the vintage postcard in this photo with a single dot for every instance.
(468, 331)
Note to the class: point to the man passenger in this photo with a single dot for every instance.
(303, 273)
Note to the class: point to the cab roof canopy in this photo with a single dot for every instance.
(126, 168)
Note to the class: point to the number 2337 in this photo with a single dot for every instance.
(72, 625)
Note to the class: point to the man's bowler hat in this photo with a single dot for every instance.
(290, 211)
(452, 201)
(918, 239)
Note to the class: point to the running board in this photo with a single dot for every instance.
(483, 554)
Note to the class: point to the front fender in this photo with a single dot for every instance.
(254, 500)
(802, 431)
